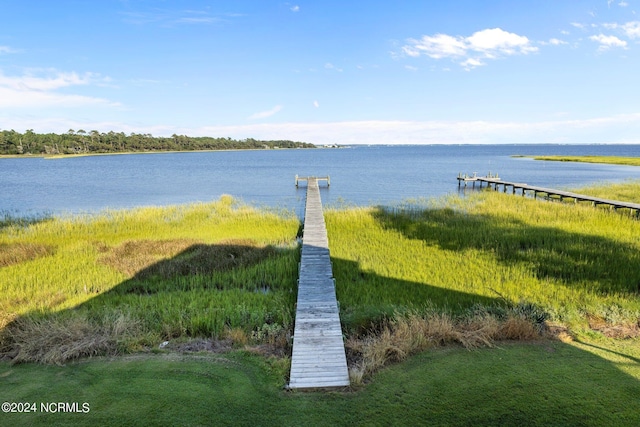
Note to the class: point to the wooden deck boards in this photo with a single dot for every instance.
(318, 358)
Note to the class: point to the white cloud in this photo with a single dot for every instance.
(6, 49)
(623, 4)
(497, 41)
(316, 104)
(595, 130)
(438, 46)
(38, 89)
(330, 66)
(632, 29)
(295, 8)
(472, 63)
(557, 42)
(411, 68)
(491, 43)
(265, 114)
(607, 42)
(197, 20)
(168, 18)
(58, 80)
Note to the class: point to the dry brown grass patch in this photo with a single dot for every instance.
(410, 334)
(57, 339)
(181, 257)
(15, 253)
(624, 330)
(517, 328)
(560, 332)
(134, 256)
(238, 337)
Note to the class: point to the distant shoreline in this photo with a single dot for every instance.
(66, 156)
(610, 160)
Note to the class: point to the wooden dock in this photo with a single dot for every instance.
(548, 192)
(316, 178)
(318, 359)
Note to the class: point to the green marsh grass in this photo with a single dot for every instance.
(489, 248)
(225, 269)
(628, 191)
(194, 270)
(614, 160)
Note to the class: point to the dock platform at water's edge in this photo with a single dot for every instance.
(314, 178)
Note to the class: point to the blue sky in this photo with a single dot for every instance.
(347, 72)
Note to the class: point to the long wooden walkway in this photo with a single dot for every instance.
(550, 192)
(318, 359)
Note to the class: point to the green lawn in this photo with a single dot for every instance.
(537, 384)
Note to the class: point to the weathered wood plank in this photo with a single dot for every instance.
(318, 358)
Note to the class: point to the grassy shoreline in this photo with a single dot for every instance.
(224, 273)
(574, 262)
(613, 160)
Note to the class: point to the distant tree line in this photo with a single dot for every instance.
(82, 142)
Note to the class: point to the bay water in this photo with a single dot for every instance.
(360, 175)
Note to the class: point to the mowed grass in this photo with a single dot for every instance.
(614, 160)
(534, 384)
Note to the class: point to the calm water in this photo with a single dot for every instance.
(360, 175)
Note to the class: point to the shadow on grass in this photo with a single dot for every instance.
(238, 284)
(204, 290)
(210, 262)
(542, 384)
(611, 351)
(367, 298)
(609, 266)
(198, 290)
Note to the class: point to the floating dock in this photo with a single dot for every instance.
(318, 359)
(548, 192)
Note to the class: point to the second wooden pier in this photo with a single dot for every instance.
(550, 192)
(318, 358)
